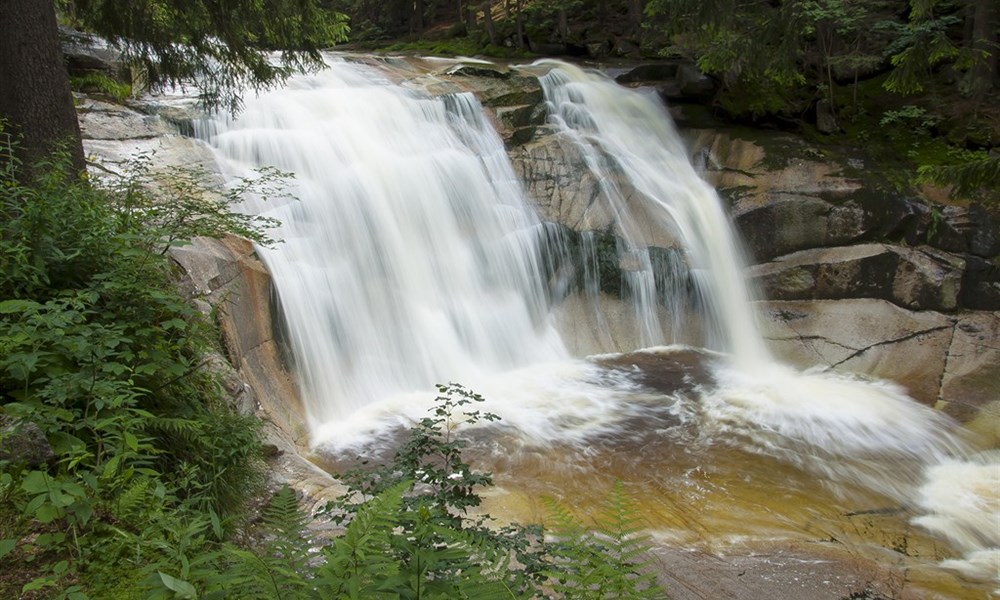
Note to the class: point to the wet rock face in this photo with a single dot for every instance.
(853, 269)
(919, 279)
(870, 336)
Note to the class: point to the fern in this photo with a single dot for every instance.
(359, 564)
(186, 430)
(278, 569)
(286, 554)
(627, 548)
(139, 499)
(488, 571)
(975, 177)
(607, 562)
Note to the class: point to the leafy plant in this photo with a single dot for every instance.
(607, 560)
(103, 355)
(103, 84)
(918, 119)
(438, 548)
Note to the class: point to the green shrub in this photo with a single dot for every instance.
(102, 353)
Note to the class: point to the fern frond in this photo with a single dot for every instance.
(563, 523)
(982, 175)
(474, 588)
(608, 562)
(488, 566)
(279, 568)
(283, 517)
(185, 430)
(137, 500)
(359, 563)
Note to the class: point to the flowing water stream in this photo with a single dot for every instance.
(412, 257)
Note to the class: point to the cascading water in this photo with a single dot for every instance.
(628, 139)
(409, 256)
(412, 257)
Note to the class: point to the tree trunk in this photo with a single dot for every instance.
(518, 24)
(470, 18)
(563, 24)
(635, 9)
(491, 30)
(984, 42)
(35, 97)
(416, 19)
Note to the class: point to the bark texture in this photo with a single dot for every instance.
(984, 42)
(35, 96)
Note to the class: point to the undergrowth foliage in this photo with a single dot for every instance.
(103, 357)
(407, 535)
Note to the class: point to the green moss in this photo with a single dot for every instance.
(102, 84)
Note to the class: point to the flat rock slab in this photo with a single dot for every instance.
(776, 574)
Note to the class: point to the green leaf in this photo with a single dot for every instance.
(7, 546)
(36, 482)
(65, 443)
(181, 588)
(9, 307)
(61, 568)
(111, 467)
(37, 584)
(47, 513)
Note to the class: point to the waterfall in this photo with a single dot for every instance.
(409, 255)
(629, 141)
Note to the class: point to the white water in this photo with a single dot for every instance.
(411, 258)
(625, 132)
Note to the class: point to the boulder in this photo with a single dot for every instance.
(107, 121)
(115, 136)
(479, 70)
(85, 53)
(649, 72)
(867, 336)
(767, 163)
(23, 442)
(981, 284)
(564, 190)
(695, 85)
(826, 120)
(970, 388)
(968, 229)
(788, 223)
(918, 279)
